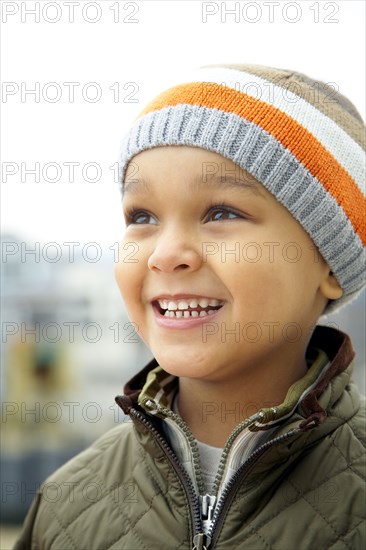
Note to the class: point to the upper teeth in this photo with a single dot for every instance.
(185, 304)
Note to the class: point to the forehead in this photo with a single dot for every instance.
(197, 168)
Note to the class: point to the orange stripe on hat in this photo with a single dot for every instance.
(297, 139)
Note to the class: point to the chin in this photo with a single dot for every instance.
(184, 363)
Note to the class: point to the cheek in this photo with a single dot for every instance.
(261, 290)
(128, 278)
(121, 277)
(248, 278)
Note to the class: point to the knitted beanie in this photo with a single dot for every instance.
(298, 137)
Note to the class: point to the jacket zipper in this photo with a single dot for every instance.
(201, 540)
(207, 502)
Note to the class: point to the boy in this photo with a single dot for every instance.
(242, 200)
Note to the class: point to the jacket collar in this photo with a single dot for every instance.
(332, 344)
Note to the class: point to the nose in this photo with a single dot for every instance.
(175, 252)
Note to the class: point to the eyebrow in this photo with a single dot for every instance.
(229, 183)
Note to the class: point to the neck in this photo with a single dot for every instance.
(212, 409)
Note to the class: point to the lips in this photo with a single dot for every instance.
(187, 307)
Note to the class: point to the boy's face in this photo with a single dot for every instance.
(203, 234)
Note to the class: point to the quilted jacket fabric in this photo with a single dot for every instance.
(305, 490)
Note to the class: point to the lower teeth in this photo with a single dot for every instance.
(186, 313)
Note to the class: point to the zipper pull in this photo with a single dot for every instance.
(207, 507)
(201, 542)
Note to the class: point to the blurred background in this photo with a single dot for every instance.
(73, 78)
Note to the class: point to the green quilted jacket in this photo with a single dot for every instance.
(304, 488)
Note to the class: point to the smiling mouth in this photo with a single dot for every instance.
(184, 309)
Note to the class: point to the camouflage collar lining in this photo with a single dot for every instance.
(161, 387)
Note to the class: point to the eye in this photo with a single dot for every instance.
(139, 217)
(218, 213)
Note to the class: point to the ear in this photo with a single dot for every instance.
(330, 288)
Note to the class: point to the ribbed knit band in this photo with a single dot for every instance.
(298, 137)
